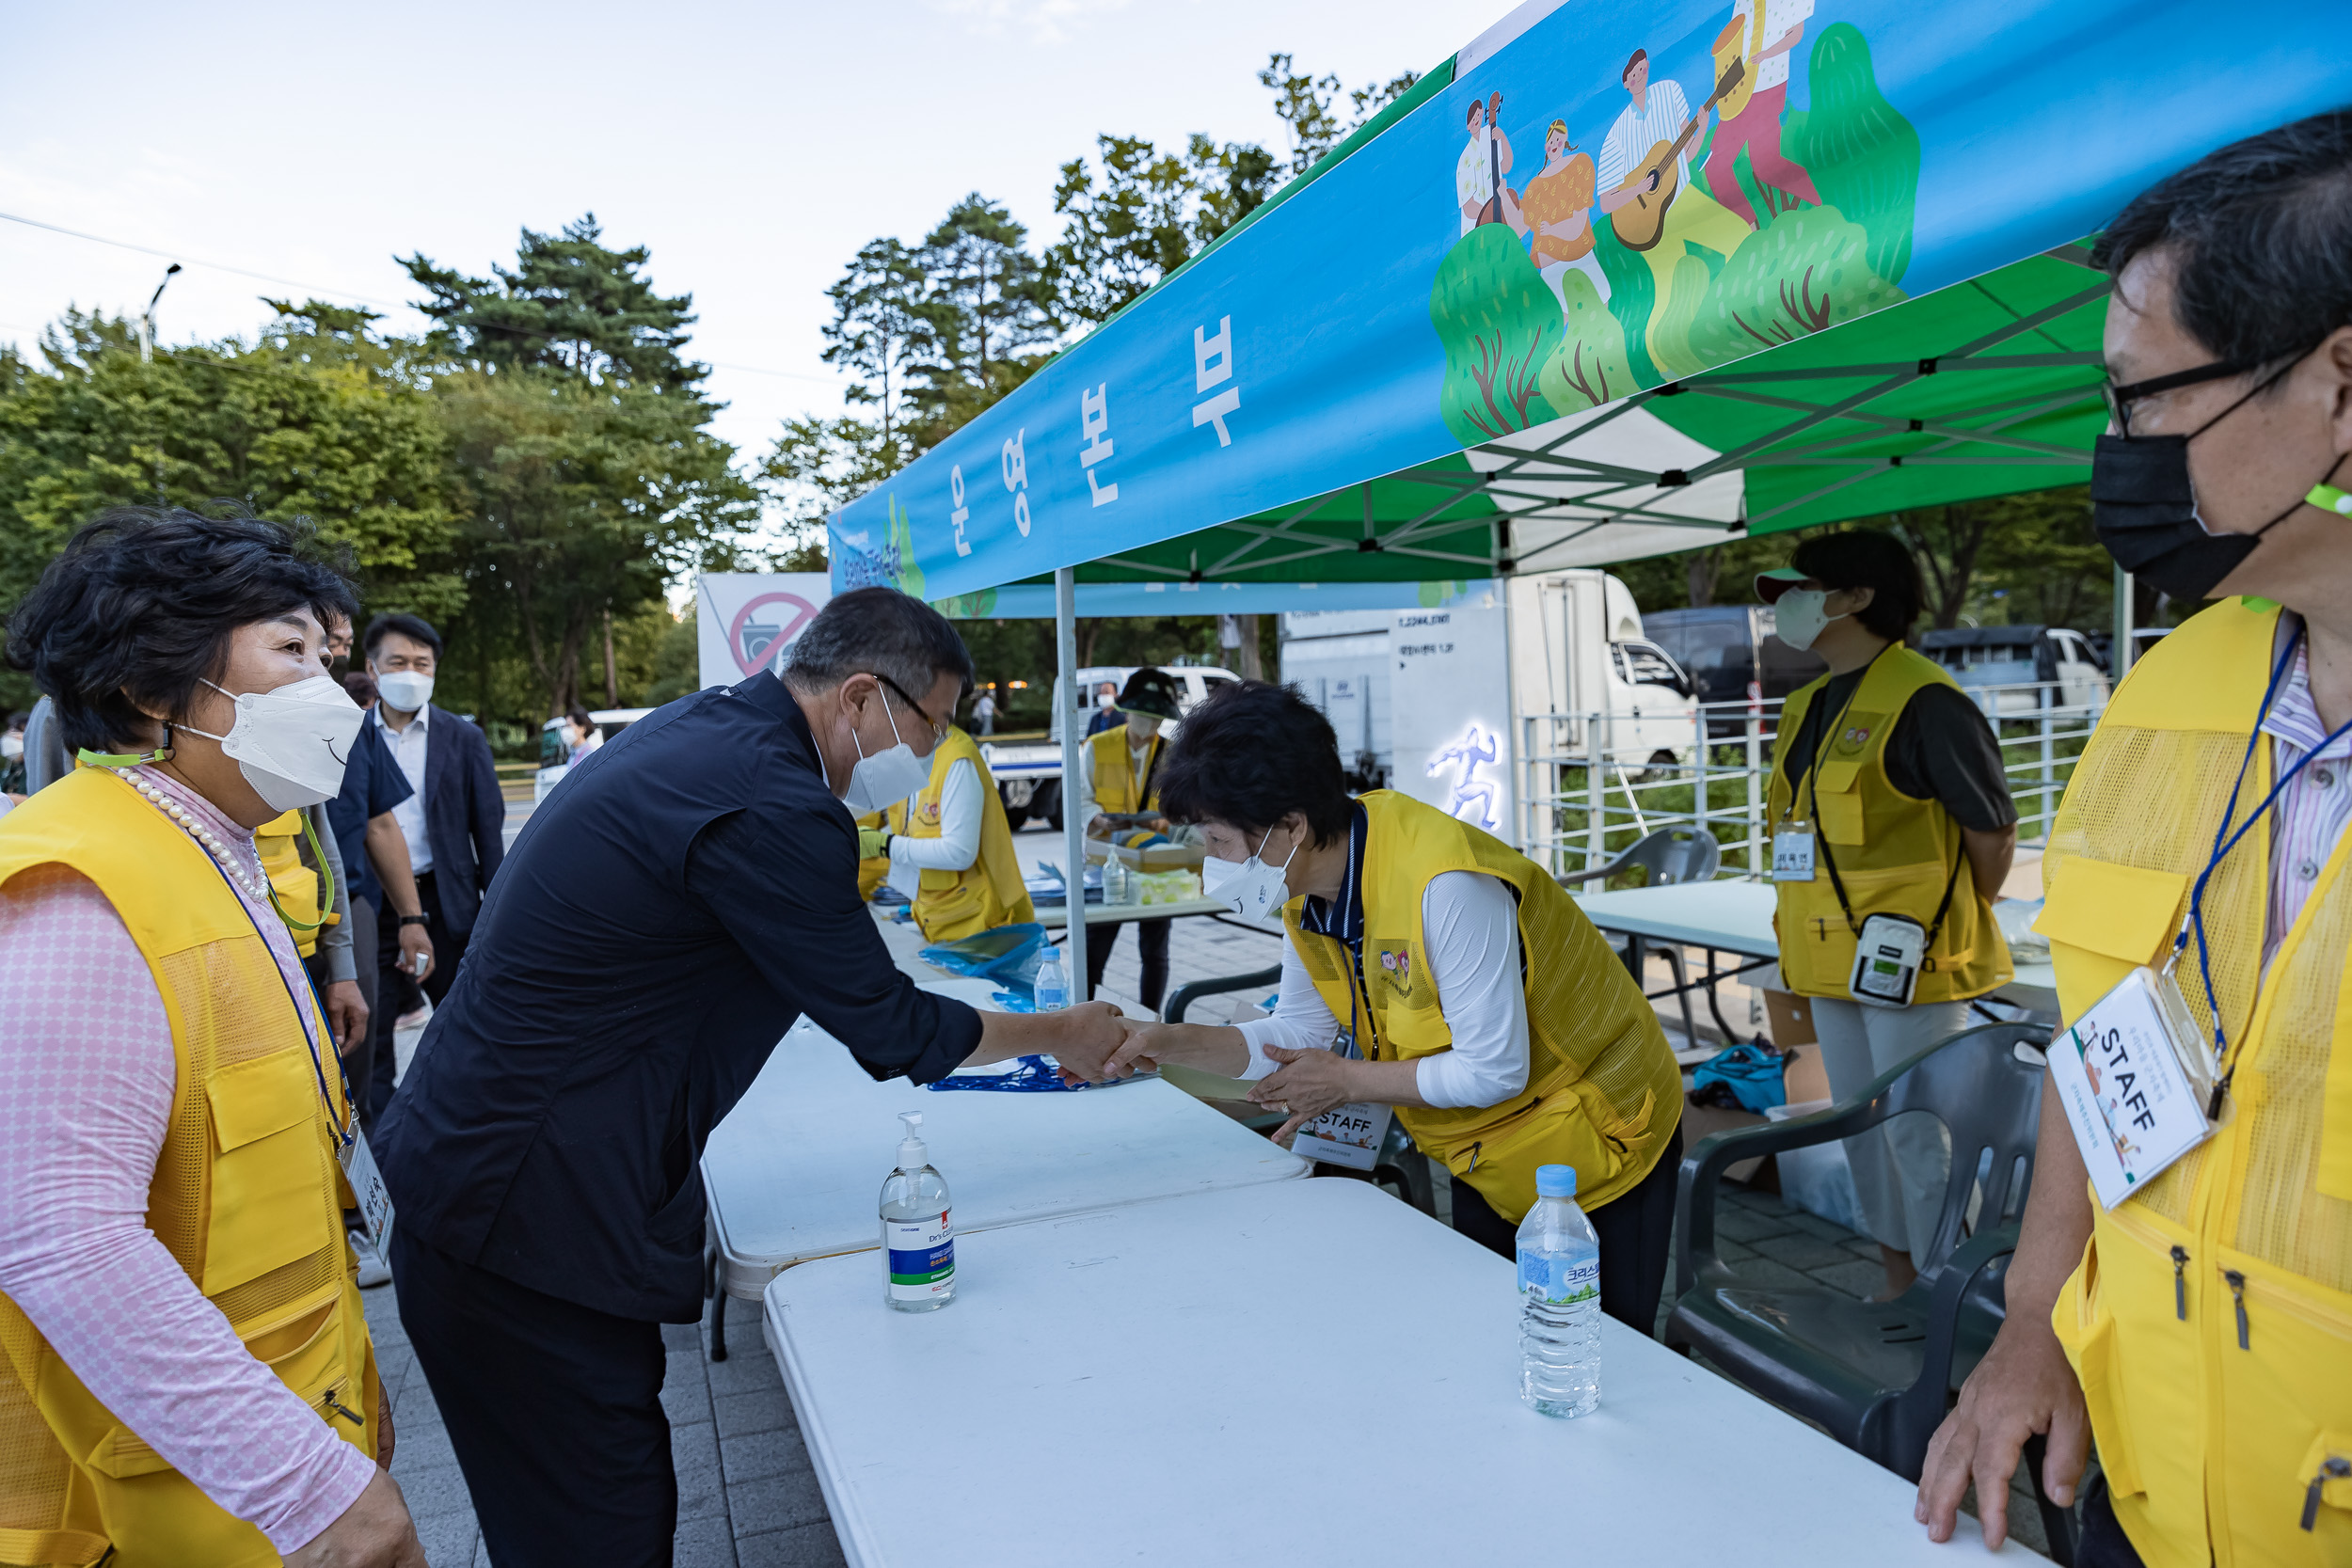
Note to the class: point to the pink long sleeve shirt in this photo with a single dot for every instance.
(86, 1074)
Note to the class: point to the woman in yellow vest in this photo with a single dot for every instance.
(1117, 769)
(187, 1378)
(1892, 832)
(2201, 1329)
(1431, 970)
(949, 847)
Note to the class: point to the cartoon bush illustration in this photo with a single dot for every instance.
(1670, 334)
(901, 550)
(1500, 325)
(1632, 292)
(1803, 271)
(1862, 154)
(1590, 366)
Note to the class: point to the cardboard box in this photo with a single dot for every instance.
(1804, 1077)
(1699, 1120)
(1791, 1017)
(1159, 857)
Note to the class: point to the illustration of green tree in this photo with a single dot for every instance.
(901, 549)
(1590, 367)
(1500, 325)
(1670, 334)
(1633, 294)
(1862, 154)
(1804, 271)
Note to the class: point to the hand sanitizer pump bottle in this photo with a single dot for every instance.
(918, 1237)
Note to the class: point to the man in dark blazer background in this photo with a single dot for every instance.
(454, 824)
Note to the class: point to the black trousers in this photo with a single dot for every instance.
(448, 951)
(554, 1410)
(1152, 942)
(1636, 1231)
(2103, 1544)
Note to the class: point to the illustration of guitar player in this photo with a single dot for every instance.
(1759, 37)
(1643, 164)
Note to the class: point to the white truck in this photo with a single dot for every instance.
(1436, 701)
(1029, 777)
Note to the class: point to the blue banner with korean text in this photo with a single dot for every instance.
(1625, 193)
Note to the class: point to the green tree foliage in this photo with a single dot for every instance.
(1589, 368)
(1309, 106)
(988, 303)
(1803, 272)
(1862, 154)
(570, 303)
(1142, 213)
(818, 466)
(310, 420)
(576, 499)
(1501, 328)
(879, 327)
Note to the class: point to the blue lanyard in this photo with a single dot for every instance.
(2224, 840)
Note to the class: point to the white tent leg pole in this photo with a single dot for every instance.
(2119, 662)
(1073, 832)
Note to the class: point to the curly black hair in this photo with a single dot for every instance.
(139, 606)
(1250, 756)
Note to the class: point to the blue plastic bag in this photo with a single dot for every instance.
(995, 954)
(1752, 1074)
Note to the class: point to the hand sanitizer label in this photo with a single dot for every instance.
(922, 1256)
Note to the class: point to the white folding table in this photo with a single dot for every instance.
(1305, 1372)
(796, 1169)
(1734, 916)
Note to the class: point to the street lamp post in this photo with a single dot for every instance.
(146, 318)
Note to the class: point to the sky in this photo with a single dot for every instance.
(753, 148)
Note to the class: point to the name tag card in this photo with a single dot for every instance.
(1792, 852)
(367, 1186)
(1349, 1135)
(2132, 1079)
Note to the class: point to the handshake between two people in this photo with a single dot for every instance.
(1307, 1084)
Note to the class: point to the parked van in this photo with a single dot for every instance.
(2015, 660)
(1732, 656)
(555, 753)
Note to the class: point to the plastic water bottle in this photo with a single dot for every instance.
(1053, 983)
(1560, 1285)
(918, 1235)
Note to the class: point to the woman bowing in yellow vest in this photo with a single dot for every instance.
(1431, 969)
(1118, 772)
(186, 1374)
(949, 849)
(2201, 1327)
(1892, 832)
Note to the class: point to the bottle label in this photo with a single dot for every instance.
(922, 1255)
(1558, 1281)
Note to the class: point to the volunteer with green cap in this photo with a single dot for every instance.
(1117, 772)
(1892, 833)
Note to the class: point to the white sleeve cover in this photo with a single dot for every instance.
(960, 801)
(1302, 1021)
(1087, 810)
(1471, 926)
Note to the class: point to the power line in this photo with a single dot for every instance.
(317, 291)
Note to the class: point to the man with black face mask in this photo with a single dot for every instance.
(2199, 1326)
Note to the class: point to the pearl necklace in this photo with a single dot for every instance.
(209, 841)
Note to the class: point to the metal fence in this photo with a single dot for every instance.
(1592, 784)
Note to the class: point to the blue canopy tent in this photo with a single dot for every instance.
(1618, 278)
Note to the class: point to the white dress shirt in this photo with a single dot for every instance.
(961, 802)
(407, 748)
(1471, 926)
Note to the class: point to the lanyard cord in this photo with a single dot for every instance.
(344, 1135)
(2224, 840)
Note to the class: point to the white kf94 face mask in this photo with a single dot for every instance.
(1250, 888)
(291, 742)
(881, 781)
(405, 690)
(1799, 615)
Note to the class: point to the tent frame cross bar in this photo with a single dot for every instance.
(1736, 457)
(2063, 359)
(1520, 457)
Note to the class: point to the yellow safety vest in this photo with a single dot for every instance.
(2211, 1317)
(1116, 786)
(873, 870)
(246, 1197)
(988, 893)
(278, 842)
(1894, 853)
(1603, 1093)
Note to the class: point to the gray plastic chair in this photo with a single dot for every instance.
(1878, 1376)
(45, 761)
(1669, 855)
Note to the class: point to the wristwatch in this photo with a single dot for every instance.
(416, 920)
